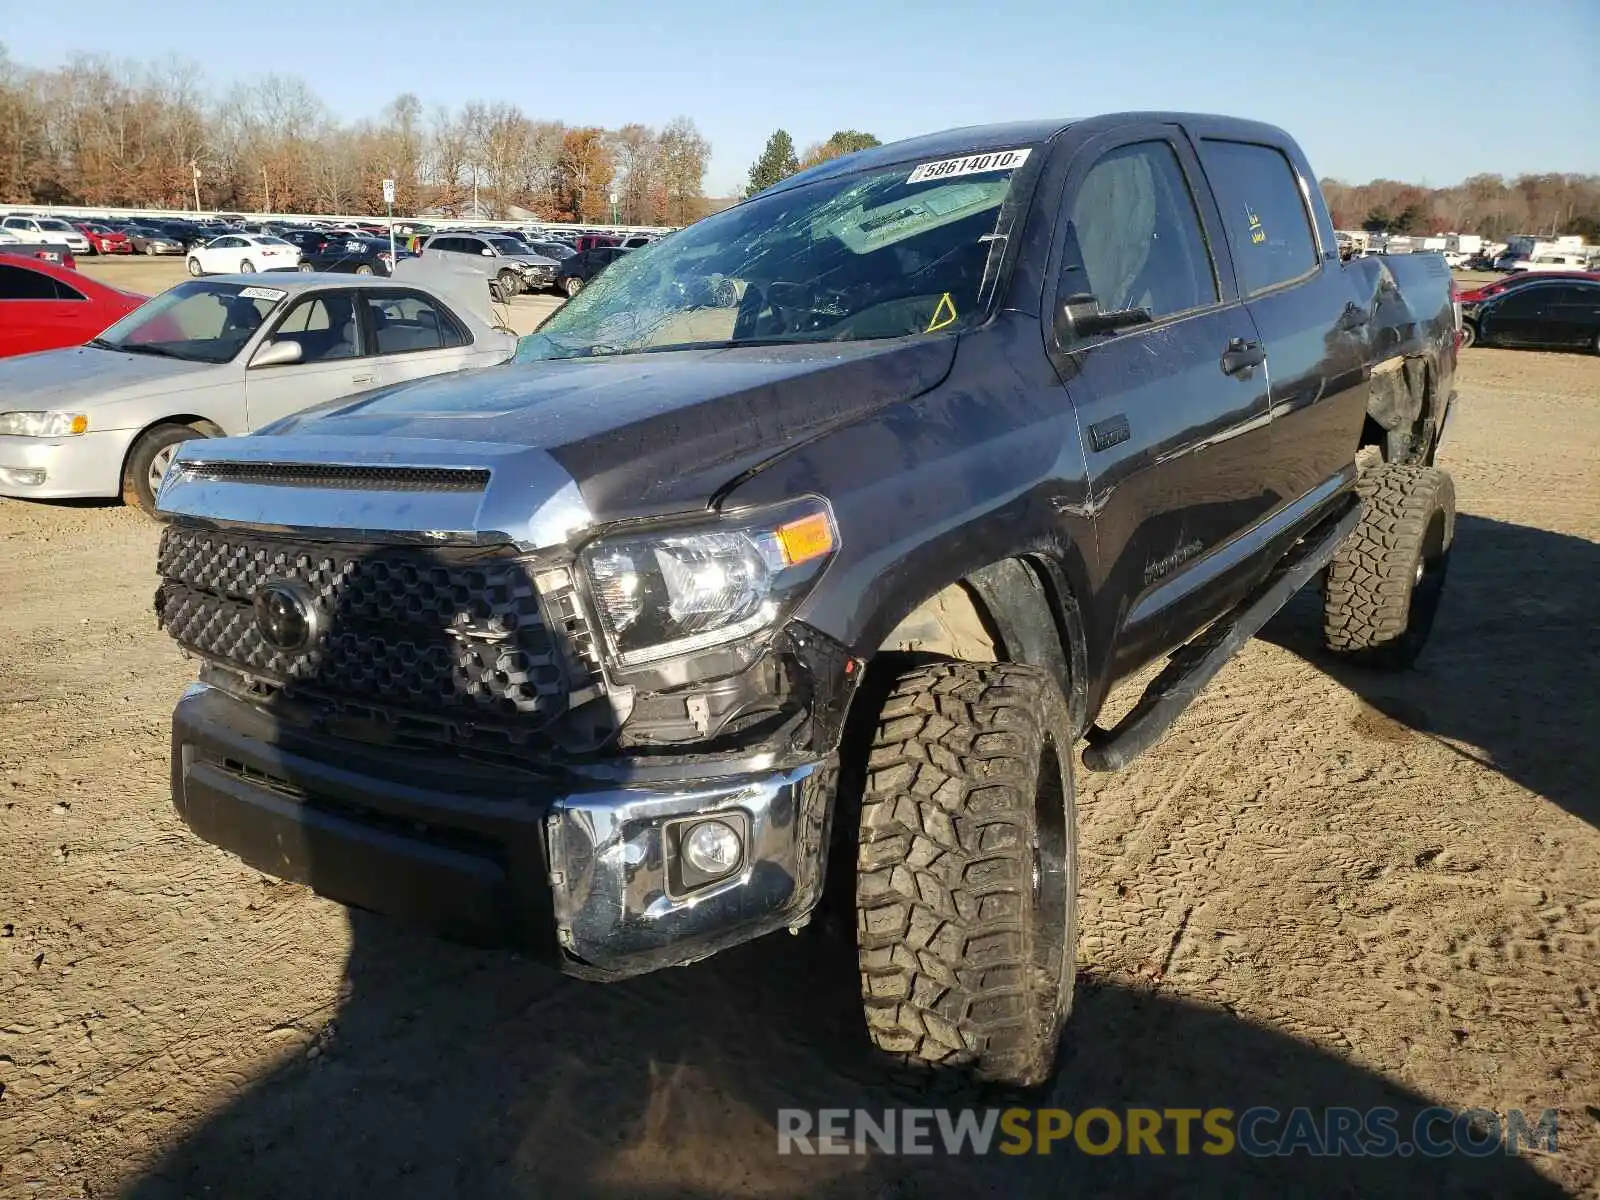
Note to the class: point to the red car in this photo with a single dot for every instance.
(105, 240)
(1521, 277)
(46, 307)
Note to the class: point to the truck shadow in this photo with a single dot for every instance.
(1510, 668)
(455, 1072)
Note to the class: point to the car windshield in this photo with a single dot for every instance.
(199, 321)
(507, 245)
(553, 250)
(271, 241)
(894, 252)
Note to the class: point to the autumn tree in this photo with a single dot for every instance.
(684, 154)
(844, 141)
(584, 175)
(777, 162)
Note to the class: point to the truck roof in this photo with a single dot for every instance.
(974, 139)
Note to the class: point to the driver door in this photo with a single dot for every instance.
(334, 359)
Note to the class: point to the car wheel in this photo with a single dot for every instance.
(510, 284)
(1469, 334)
(247, 267)
(147, 463)
(149, 249)
(571, 285)
(966, 872)
(1382, 589)
(194, 267)
(363, 269)
(306, 267)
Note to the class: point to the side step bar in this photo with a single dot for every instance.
(1193, 664)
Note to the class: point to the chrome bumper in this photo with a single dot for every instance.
(583, 878)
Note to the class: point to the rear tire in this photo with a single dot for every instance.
(194, 268)
(572, 285)
(147, 463)
(306, 267)
(363, 269)
(966, 891)
(1383, 586)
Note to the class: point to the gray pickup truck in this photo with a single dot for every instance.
(822, 527)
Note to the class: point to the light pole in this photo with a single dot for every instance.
(613, 208)
(195, 167)
(266, 193)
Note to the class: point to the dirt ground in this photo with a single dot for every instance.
(1324, 888)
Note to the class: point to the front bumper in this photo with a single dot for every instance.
(580, 872)
(87, 465)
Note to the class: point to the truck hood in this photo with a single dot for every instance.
(82, 376)
(643, 433)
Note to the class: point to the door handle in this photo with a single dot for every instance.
(362, 378)
(1242, 356)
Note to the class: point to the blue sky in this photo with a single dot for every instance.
(1424, 90)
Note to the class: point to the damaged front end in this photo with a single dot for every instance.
(428, 689)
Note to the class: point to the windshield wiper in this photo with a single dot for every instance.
(146, 348)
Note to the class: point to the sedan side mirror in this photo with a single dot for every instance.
(277, 354)
(487, 253)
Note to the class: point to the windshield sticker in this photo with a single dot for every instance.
(262, 293)
(944, 314)
(972, 164)
(866, 230)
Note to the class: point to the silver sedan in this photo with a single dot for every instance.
(219, 357)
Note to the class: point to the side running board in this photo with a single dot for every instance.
(1193, 664)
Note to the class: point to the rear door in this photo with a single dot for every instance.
(1173, 414)
(1578, 315)
(334, 361)
(411, 335)
(1289, 273)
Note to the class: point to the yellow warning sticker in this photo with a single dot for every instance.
(1257, 233)
(944, 314)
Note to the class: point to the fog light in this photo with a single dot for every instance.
(21, 476)
(712, 848)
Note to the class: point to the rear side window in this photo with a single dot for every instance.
(19, 283)
(405, 322)
(1134, 238)
(1263, 212)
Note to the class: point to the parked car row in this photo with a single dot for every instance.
(1558, 311)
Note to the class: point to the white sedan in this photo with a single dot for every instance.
(243, 254)
(221, 357)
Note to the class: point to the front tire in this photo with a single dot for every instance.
(306, 267)
(510, 285)
(966, 892)
(194, 268)
(247, 267)
(363, 269)
(1469, 334)
(148, 461)
(572, 285)
(1383, 585)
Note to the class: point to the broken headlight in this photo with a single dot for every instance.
(676, 591)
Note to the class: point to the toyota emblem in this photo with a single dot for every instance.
(285, 615)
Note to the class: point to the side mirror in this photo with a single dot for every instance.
(277, 354)
(487, 253)
(1079, 316)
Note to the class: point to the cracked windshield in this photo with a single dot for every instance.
(880, 254)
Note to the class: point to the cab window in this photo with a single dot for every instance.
(1263, 212)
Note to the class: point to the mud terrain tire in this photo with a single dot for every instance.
(966, 889)
(1383, 585)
